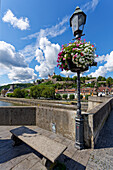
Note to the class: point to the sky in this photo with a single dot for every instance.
(32, 32)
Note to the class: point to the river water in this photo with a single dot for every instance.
(6, 104)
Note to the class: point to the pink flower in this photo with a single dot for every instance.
(68, 57)
(79, 38)
(84, 39)
(60, 53)
(77, 45)
(75, 56)
(65, 63)
(97, 55)
(58, 65)
(64, 59)
(74, 49)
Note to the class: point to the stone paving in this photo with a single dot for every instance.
(102, 156)
(24, 158)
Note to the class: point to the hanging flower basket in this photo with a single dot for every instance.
(77, 56)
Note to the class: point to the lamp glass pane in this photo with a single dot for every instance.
(81, 20)
(74, 23)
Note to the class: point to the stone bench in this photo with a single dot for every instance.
(50, 149)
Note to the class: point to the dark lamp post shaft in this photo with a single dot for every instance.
(78, 119)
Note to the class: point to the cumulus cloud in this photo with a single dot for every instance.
(46, 55)
(9, 57)
(13, 63)
(67, 73)
(100, 58)
(107, 67)
(21, 23)
(91, 5)
(20, 74)
(53, 31)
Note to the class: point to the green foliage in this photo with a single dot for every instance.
(42, 91)
(109, 81)
(65, 96)
(86, 97)
(100, 78)
(10, 95)
(19, 93)
(35, 92)
(72, 96)
(75, 78)
(48, 92)
(81, 96)
(58, 96)
(58, 86)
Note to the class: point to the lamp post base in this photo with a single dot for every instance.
(79, 144)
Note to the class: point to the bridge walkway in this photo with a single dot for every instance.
(101, 157)
(24, 158)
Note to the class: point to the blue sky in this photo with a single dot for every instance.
(32, 32)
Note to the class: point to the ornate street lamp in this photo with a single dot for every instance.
(77, 21)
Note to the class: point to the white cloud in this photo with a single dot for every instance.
(53, 31)
(91, 5)
(46, 55)
(28, 52)
(13, 63)
(107, 67)
(21, 23)
(39, 56)
(67, 73)
(20, 74)
(100, 58)
(9, 57)
(101, 71)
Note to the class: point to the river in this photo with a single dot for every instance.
(6, 104)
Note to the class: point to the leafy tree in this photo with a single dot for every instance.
(58, 86)
(75, 78)
(58, 96)
(36, 91)
(100, 78)
(10, 95)
(48, 92)
(72, 96)
(81, 96)
(109, 81)
(65, 96)
(18, 93)
(86, 96)
(42, 91)
(82, 79)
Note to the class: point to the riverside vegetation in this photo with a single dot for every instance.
(47, 89)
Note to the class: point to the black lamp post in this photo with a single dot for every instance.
(77, 21)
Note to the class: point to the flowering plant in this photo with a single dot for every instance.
(80, 53)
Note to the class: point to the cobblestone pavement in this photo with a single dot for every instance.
(102, 156)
